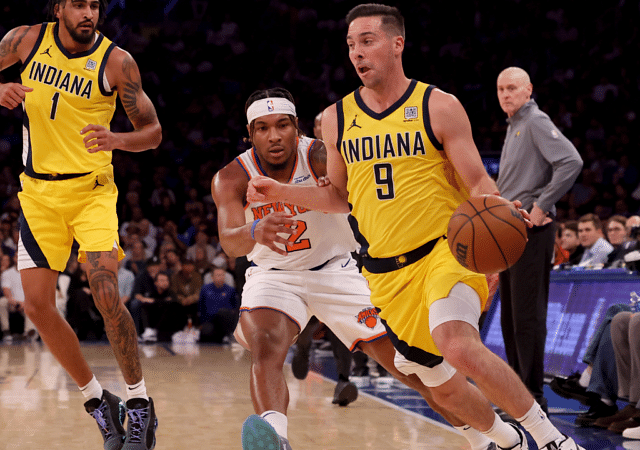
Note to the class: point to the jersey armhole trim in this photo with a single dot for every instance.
(426, 119)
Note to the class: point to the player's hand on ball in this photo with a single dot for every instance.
(270, 229)
(262, 189)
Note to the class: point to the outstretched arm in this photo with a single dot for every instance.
(122, 71)
(228, 189)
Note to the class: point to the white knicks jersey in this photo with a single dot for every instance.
(318, 236)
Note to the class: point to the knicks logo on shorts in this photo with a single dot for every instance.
(368, 317)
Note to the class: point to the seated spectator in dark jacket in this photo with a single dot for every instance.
(625, 238)
(218, 309)
(186, 283)
(571, 243)
(82, 314)
(162, 313)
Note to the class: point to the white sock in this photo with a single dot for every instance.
(278, 421)
(536, 422)
(138, 390)
(502, 433)
(606, 401)
(92, 390)
(477, 440)
(585, 377)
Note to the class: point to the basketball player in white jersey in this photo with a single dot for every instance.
(301, 266)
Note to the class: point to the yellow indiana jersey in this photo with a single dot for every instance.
(402, 188)
(69, 93)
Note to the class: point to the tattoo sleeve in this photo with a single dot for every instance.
(118, 323)
(9, 44)
(136, 104)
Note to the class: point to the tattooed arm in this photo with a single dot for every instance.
(124, 77)
(15, 47)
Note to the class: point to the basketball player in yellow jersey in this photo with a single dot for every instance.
(400, 157)
(71, 76)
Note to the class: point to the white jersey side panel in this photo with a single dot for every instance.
(318, 237)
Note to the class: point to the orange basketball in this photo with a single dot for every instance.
(487, 234)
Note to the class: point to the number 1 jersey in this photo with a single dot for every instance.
(69, 93)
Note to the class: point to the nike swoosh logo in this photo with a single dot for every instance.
(348, 261)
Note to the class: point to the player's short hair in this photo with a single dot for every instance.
(103, 10)
(392, 20)
(266, 93)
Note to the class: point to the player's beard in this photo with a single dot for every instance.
(81, 37)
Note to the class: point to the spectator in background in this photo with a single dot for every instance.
(143, 290)
(538, 166)
(618, 236)
(82, 314)
(5, 328)
(218, 309)
(162, 313)
(187, 283)
(571, 242)
(596, 247)
(202, 242)
(137, 256)
(560, 254)
(13, 292)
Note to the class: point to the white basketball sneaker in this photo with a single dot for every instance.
(563, 443)
(523, 444)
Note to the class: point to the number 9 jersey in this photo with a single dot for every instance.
(318, 236)
(401, 185)
(69, 93)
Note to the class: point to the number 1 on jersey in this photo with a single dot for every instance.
(54, 106)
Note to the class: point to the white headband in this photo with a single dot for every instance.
(271, 105)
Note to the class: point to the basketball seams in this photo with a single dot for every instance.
(494, 234)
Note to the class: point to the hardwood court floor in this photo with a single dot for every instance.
(201, 395)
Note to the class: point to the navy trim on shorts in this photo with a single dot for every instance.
(414, 354)
(30, 243)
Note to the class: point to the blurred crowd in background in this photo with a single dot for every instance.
(200, 60)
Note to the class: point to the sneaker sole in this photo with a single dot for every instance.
(348, 395)
(257, 434)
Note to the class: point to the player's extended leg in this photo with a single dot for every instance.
(383, 352)
(268, 334)
(460, 344)
(39, 285)
(102, 273)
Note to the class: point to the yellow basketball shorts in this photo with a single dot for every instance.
(405, 295)
(56, 212)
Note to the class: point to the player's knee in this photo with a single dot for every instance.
(429, 376)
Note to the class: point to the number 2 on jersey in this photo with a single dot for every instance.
(295, 242)
(384, 178)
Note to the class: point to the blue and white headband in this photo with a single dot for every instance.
(271, 105)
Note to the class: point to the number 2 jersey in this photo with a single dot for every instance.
(318, 236)
(69, 93)
(402, 187)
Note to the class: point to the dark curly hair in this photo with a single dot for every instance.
(53, 3)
